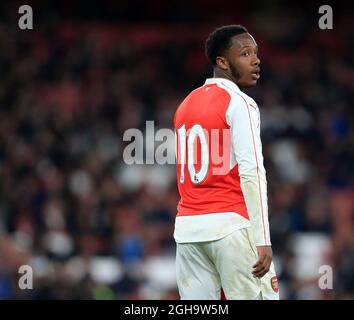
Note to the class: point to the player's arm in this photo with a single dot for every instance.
(246, 142)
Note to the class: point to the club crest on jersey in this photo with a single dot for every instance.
(274, 283)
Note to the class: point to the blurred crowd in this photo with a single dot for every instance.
(93, 227)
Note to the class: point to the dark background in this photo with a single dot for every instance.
(93, 227)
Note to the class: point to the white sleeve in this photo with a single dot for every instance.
(244, 121)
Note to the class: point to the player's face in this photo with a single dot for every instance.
(243, 61)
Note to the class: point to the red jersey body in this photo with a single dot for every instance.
(220, 173)
(207, 107)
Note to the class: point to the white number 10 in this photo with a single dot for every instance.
(195, 131)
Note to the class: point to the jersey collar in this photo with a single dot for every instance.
(228, 83)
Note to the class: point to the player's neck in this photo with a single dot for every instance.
(222, 74)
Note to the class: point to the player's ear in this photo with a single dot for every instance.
(222, 63)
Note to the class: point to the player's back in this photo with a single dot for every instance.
(207, 172)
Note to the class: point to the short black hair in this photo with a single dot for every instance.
(219, 41)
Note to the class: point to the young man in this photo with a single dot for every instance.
(221, 228)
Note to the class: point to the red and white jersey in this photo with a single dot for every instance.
(220, 172)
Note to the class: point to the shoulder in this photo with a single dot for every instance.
(241, 103)
(241, 106)
(205, 95)
(240, 98)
